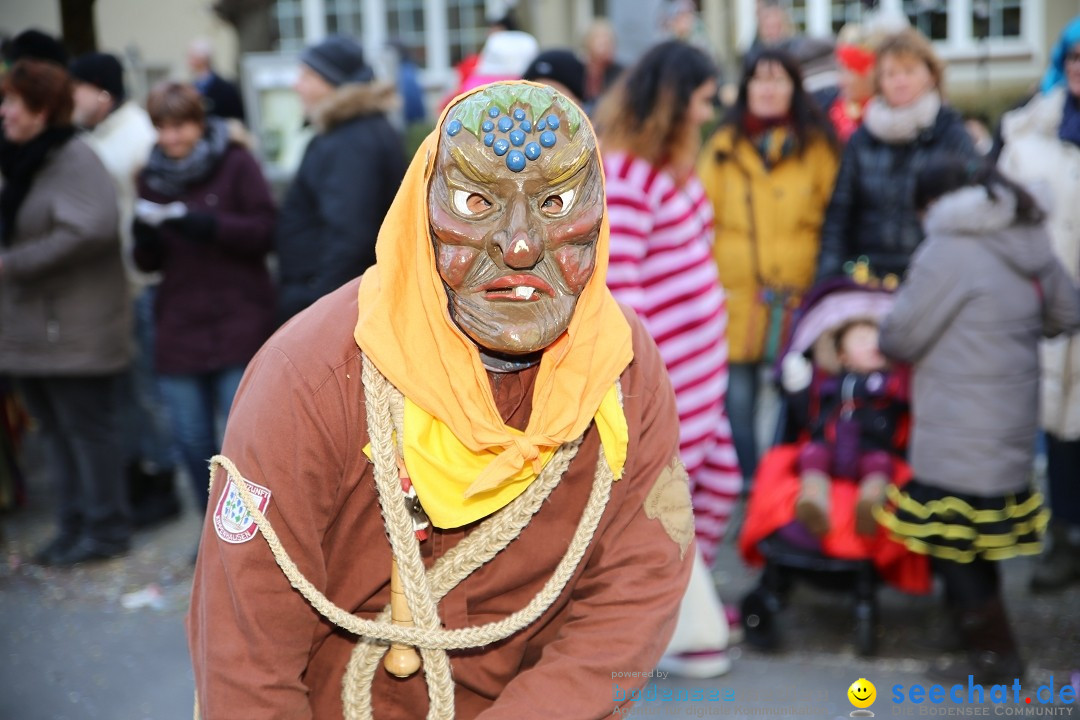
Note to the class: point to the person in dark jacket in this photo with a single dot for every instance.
(65, 319)
(205, 221)
(872, 211)
(220, 97)
(347, 179)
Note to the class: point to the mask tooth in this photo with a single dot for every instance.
(524, 292)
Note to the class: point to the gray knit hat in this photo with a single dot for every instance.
(338, 59)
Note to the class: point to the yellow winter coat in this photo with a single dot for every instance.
(768, 226)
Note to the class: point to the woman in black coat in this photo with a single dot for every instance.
(872, 211)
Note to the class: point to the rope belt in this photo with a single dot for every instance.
(425, 588)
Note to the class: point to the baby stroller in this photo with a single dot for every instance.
(771, 535)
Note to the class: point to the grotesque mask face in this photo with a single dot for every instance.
(515, 203)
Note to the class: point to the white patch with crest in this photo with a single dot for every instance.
(232, 522)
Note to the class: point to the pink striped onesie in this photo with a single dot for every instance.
(662, 266)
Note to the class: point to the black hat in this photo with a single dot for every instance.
(100, 70)
(563, 67)
(36, 45)
(338, 59)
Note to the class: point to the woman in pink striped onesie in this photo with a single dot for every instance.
(661, 259)
(661, 265)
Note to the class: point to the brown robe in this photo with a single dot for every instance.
(298, 427)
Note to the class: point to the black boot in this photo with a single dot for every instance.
(991, 656)
(1058, 566)
(153, 497)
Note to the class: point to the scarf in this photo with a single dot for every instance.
(1069, 130)
(19, 163)
(171, 177)
(455, 440)
(897, 125)
(771, 137)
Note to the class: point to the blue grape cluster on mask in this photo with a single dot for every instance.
(515, 143)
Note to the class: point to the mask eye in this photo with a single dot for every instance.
(467, 203)
(558, 205)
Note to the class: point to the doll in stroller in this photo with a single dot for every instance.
(840, 440)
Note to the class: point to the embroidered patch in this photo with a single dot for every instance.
(669, 502)
(232, 522)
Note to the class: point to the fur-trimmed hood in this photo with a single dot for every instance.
(1040, 116)
(971, 211)
(352, 100)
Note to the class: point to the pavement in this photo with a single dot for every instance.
(106, 641)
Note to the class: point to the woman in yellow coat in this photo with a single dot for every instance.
(769, 172)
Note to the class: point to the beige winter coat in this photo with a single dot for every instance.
(64, 306)
(980, 292)
(1035, 156)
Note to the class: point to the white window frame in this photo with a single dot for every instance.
(959, 45)
(439, 72)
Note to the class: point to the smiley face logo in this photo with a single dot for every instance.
(862, 693)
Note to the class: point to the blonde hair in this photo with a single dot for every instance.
(599, 26)
(912, 43)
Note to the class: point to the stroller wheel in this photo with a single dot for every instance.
(758, 610)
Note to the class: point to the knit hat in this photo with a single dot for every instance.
(100, 70)
(338, 59)
(562, 66)
(36, 45)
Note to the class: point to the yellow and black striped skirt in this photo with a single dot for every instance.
(961, 527)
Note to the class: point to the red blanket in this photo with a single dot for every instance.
(772, 506)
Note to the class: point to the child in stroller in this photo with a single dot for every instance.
(822, 428)
(854, 417)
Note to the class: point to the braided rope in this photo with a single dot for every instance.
(421, 591)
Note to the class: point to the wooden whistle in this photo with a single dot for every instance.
(401, 660)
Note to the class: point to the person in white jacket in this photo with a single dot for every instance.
(121, 134)
(1042, 151)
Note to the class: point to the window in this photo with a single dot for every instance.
(996, 18)
(344, 17)
(466, 28)
(846, 11)
(289, 17)
(929, 16)
(405, 24)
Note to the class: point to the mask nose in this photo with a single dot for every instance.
(520, 247)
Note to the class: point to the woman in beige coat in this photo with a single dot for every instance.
(64, 312)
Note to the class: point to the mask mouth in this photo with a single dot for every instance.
(518, 288)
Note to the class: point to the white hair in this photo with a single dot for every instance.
(201, 47)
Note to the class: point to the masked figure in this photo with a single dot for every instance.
(474, 427)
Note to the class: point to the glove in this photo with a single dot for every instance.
(796, 372)
(199, 226)
(146, 236)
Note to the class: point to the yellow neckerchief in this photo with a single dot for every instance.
(404, 327)
(442, 468)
